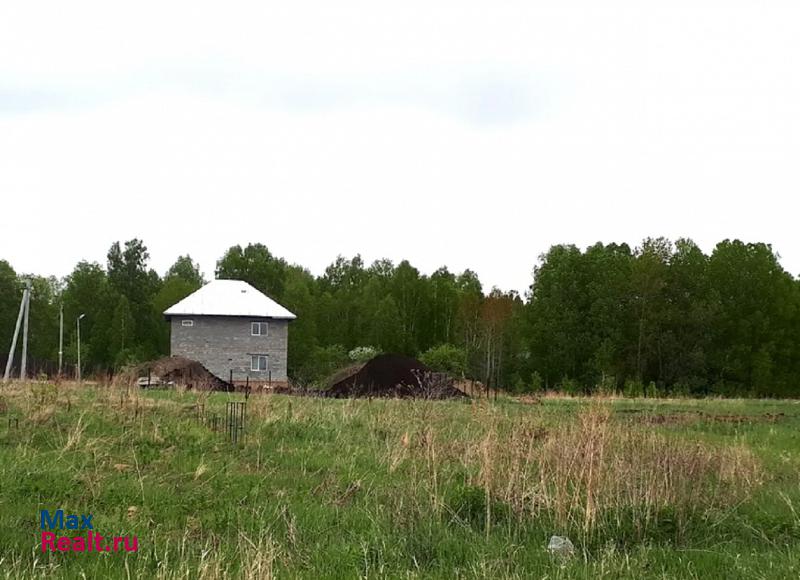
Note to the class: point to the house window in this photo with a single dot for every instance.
(259, 329)
(187, 322)
(258, 362)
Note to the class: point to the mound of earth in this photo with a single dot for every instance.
(183, 371)
(342, 375)
(394, 375)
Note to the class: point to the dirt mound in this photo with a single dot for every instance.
(182, 371)
(393, 375)
(342, 375)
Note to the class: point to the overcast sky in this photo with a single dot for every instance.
(467, 134)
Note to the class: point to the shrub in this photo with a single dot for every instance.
(570, 386)
(446, 358)
(323, 361)
(607, 385)
(362, 354)
(517, 384)
(633, 388)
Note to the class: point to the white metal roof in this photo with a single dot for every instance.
(228, 298)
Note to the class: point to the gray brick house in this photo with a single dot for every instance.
(231, 328)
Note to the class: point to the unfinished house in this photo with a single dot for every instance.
(235, 331)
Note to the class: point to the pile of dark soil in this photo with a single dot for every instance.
(342, 375)
(183, 371)
(394, 375)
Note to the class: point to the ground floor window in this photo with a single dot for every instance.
(258, 362)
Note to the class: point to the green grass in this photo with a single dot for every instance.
(347, 489)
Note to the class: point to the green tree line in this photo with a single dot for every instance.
(660, 318)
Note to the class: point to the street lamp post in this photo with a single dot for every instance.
(60, 338)
(78, 323)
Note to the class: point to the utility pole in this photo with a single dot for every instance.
(78, 323)
(60, 338)
(7, 374)
(23, 366)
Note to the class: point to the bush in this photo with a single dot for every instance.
(323, 361)
(536, 382)
(517, 384)
(633, 389)
(362, 354)
(607, 385)
(446, 358)
(681, 388)
(570, 386)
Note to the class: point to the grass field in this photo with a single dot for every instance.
(385, 488)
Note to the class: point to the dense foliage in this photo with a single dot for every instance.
(661, 318)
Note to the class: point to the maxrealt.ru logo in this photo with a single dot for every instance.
(91, 542)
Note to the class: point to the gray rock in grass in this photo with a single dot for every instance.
(561, 546)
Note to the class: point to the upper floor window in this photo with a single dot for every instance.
(187, 322)
(259, 329)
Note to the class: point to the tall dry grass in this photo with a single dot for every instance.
(597, 472)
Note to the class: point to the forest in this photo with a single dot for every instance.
(663, 318)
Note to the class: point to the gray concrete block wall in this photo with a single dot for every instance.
(222, 343)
